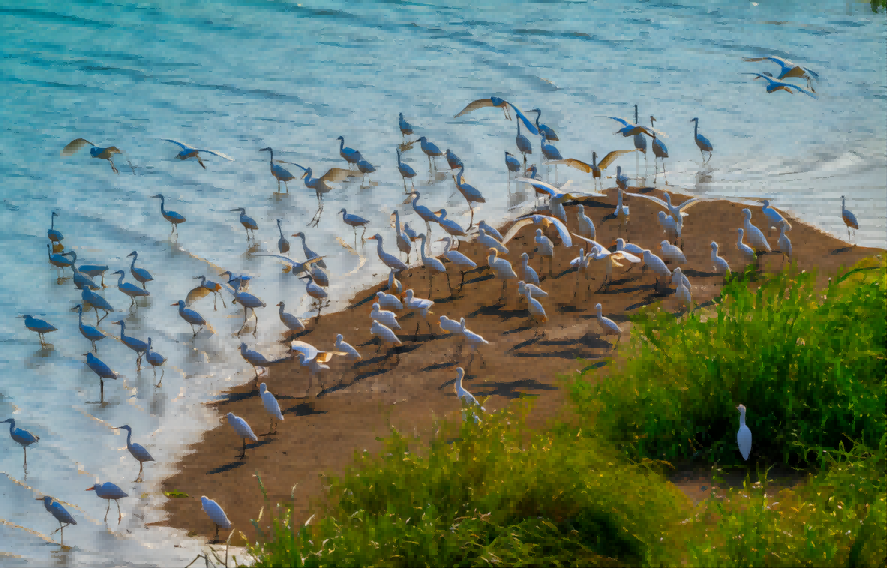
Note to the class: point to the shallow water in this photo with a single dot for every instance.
(236, 77)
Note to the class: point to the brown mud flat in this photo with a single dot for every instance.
(324, 427)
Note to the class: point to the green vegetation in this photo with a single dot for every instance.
(808, 364)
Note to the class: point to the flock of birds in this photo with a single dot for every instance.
(383, 317)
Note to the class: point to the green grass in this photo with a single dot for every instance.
(809, 365)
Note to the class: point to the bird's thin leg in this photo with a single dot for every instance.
(107, 510)
(119, 514)
(113, 167)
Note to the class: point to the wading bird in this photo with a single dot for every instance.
(39, 326)
(458, 259)
(523, 144)
(216, 514)
(137, 451)
(503, 104)
(191, 152)
(405, 127)
(137, 345)
(21, 437)
(139, 274)
(405, 172)
(743, 436)
(192, 317)
(156, 360)
(309, 254)
(849, 218)
(784, 245)
(321, 185)
(96, 152)
(289, 320)
(774, 85)
(387, 259)
(595, 168)
(427, 215)
(81, 280)
(502, 269)
(256, 359)
(244, 431)
(449, 225)
(659, 150)
(419, 305)
(430, 150)
(453, 160)
(171, 216)
(130, 290)
(279, 172)
(511, 163)
(433, 265)
(54, 236)
(385, 317)
(205, 287)
(91, 270)
(720, 265)
(58, 260)
(345, 347)
(365, 168)
(774, 217)
(385, 335)
(60, 513)
(354, 222)
(701, 141)
(97, 302)
(109, 491)
(489, 229)
(755, 236)
(283, 245)
(248, 223)
(544, 130)
(315, 292)
(91, 333)
(99, 368)
(249, 302)
(350, 155)
(404, 243)
(469, 192)
(271, 406)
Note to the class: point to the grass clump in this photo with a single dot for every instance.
(487, 498)
(809, 367)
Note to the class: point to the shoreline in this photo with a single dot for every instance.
(322, 429)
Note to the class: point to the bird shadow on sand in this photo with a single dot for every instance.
(513, 389)
(497, 309)
(301, 409)
(238, 462)
(841, 250)
(231, 397)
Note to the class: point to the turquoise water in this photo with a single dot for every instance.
(237, 77)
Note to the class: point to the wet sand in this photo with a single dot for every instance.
(324, 427)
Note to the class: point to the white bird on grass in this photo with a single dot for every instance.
(743, 436)
(243, 430)
(270, 404)
(784, 245)
(465, 397)
(678, 278)
(682, 294)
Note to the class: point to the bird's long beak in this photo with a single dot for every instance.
(91, 489)
(371, 238)
(40, 498)
(176, 304)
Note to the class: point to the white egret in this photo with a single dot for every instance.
(289, 320)
(430, 150)
(109, 491)
(488, 241)
(354, 222)
(137, 451)
(404, 244)
(130, 290)
(388, 260)
(137, 345)
(346, 348)
(609, 326)
(465, 397)
(658, 266)
(849, 218)
(309, 254)
(283, 245)
(100, 369)
(433, 265)
(490, 230)
(156, 360)
(91, 333)
(457, 258)
(248, 223)
(60, 513)
(527, 273)
(473, 340)
(701, 141)
(174, 218)
(755, 236)
(389, 319)
(773, 85)
(21, 437)
(315, 366)
(385, 335)
(586, 226)
(350, 155)
(216, 514)
(271, 406)
(388, 301)
(678, 278)
(784, 245)
(243, 430)
(192, 317)
(420, 306)
(469, 192)
(743, 436)
(545, 221)
(205, 287)
(249, 302)
(256, 359)
(139, 274)
(672, 253)
(425, 213)
(535, 291)
(449, 225)
(545, 248)
(315, 292)
(720, 265)
(773, 215)
(502, 269)
(671, 227)
(537, 312)
(281, 174)
(192, 152)
(105, 153)
(747, 253)
(394, 285)
(39, 326)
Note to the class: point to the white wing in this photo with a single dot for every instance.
(182, 145)
(214, 153)
(655, 200)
